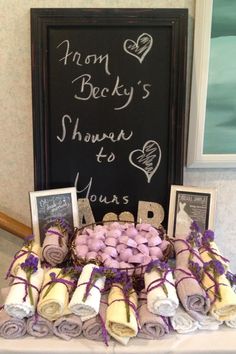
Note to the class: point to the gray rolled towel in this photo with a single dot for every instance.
(151, 326)
(39, 327)
(191, 294)
(67, 327)
(11, 328)
(94, 328)
(55, 244)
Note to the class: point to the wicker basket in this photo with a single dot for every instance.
(136, 271)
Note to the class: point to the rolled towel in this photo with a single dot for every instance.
(54, 296)
(191, 294)
(151, 326)
(23, 295)
(55, 244)
(223, 306)
(161, 300)
(94, 328)
(209, 323)
(39, 327)
(10, 327)
(182, 322)
(89, 307)
(231, 323)
(119, 324)
(67, 327)
(20, 256)
(211, 251)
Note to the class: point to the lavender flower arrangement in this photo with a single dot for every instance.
(30, 266)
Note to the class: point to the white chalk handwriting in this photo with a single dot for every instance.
(89, 137)
(103, 199)
(75, 57)
(140, 48)
(147, 159)
(86, 90)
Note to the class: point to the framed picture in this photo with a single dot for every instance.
(188, 204)
(108, 98)
(48, 205)
(212, 128)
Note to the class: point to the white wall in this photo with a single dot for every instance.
(16, 146)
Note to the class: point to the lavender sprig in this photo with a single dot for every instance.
(217, 268)
(207, 237)
(158, 265)
(161, 267)
(231, 277)
(196, 270)
(28, 242)
(30, 266)
(71, 272)
(194, 237)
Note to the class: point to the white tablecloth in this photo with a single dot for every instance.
(200, 342)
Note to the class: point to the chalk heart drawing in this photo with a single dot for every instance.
(140, 48)
(148, 159)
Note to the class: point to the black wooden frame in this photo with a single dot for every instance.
(43, 19)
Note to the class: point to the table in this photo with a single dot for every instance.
(222, 341)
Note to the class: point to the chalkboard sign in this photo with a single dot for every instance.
(108, 103)
(49, 205)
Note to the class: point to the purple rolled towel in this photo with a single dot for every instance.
(191, 294)
(55, 244)
(67, 327)
(11, 328)
(94, 328)
(39, 327)
(151, 326)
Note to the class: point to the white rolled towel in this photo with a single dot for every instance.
(158, 301)
(182, 322)
(17, 304)
(20, 257)
(231, 323)
(89, 307)
(208, 323)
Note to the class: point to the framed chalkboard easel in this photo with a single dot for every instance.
(108, 103)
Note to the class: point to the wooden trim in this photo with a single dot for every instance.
(14, 227)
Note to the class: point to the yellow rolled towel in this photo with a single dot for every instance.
(119, 325)
(54, 297)
(223, 306)
(205, 253)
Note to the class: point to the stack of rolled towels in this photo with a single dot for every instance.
(44, 300)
